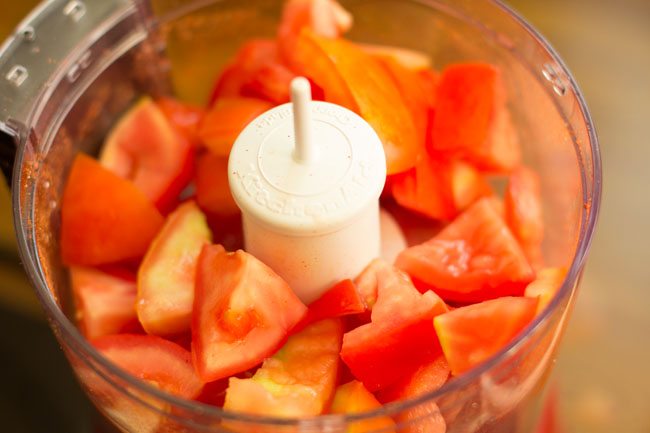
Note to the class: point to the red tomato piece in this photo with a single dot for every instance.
(353, 79)
(242, 313)
(400, 336)
(154, 360)
(523, 212)
(470, 335)
(352, 398)
(298, 381)
(326, 18)
(182, 116)
(367, 282)
(472, 120)
(467, 185)
(473, 259)
(212, 187)
(271, 82)
(104, 218)
(105, 304)
(341, 300)
(226, 120)
(545, 286)
(144, 148)
(166, 275)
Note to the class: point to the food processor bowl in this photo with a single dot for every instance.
(73, 67)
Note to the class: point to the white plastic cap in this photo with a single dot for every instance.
(299, 182)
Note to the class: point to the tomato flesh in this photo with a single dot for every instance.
(545, 286)
(473, 259)
(104, 219)
(342, 299)
(470, 335)
(212, 188)
(298, 381)
(352, 398)
(242, 313)
(184, 117)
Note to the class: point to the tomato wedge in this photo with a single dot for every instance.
(144, 147)
(523, 212)
(472, 120)
(354, 79)
(166, 275)
(154, 360)
(298, 381)
(226, 120)
(242, 313)
(352, 398)
(545, 286)
(342, 299)
(182, 116)
(212, 188)
(411, 59)
(104, 218)
(105, 304)
(400, 336)
(469, 335)
(472, 259)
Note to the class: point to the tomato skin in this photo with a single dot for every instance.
(104, 219)
(227, 118)
(242, 312)
(472, 120)
(342, 299)
(105, 303)
(298, 381)
(523, 212)
(152, 359)
(146, 149)
(182, 116)
(400, 336)
(473, 259)
(469, 335)
(352, 398)
(166, 275)
(212, 188)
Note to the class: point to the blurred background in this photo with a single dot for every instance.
(603, 369)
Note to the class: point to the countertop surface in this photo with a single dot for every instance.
(603, 368)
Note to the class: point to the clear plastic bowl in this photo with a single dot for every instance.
(74, 66)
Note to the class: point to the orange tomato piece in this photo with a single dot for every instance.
(224, 122)
(212, 187)
(353, 398)
(470, 335)
(352, 78)
(545, 286)
(182, 116)
(104, 218)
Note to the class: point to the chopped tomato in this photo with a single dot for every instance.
(545, 286)
(104, 219)
(410, 59)
(226, 120)
(355, 80)
(105, 304)
(298, 381)
(367, 282)
(166, 275)
(325, 18)
(182, 116)
(271, 82)
(146, 149)
(212, 187)
(523, 212)
(469, 335)
(353, 398)
(467, 185)
(242, 313)
(472, 259)
(400, 336)
(154, 360)
(341, 300)
(472, 120)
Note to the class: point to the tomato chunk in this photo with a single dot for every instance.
(298, 381)
(104, 219)
(212, 188)
(472, 259)
(182, 116)
(523, 212)
(410, 59)
(400, 336)
(154, 360)
(226, 120)
(144, 147)
(469, 335)
(341, 300)
(352, 78)
(472, 119)
(105, 303)
(545, 286)
(242, 313)
(352, 398)
(166, 275)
